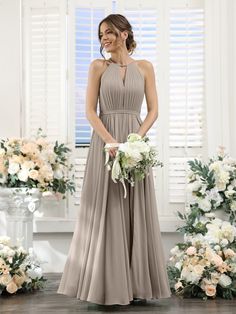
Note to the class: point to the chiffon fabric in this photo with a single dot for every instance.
(116, 253)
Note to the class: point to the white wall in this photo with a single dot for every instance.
(232, 79)
(53, 247)
(10, 76)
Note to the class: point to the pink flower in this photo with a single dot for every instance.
(191, 250)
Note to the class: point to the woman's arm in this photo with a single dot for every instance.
(94, 75)
(151, 97)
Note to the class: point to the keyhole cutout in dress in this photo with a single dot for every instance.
(123, 74)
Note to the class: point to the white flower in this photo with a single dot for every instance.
(35, 272)
(13, 168)
(3, 178)
(178, 265)
(204, 204)
(132, 137)
(213, 194)
(2, 152)
(225, 280)
(7, 251)
(23, 174)
(228, 231)
(230, 191)
(58, 172)
(188, 273)
(224, 242)
(175, 250)
(195, 186)
(233, 205)
(217, 247)
(5, 240)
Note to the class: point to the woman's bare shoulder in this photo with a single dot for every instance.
(145, 66)
(98, 66)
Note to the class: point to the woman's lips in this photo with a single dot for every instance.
(107, 44)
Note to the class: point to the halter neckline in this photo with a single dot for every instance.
(121, 65)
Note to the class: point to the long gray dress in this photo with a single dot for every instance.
(116, 252)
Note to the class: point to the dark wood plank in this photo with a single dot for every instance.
(48, 301)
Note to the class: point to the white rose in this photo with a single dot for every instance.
(217, 248)
(225, 280)
(178, 265)
(13, 168)
(23, 175)
(204, 204)
(3, 178)
(233, 205)
(35, 273)
(132, 137)
(2, 152)
(58, 172)
(5, 240)
(195, 186)
(224, 242)
(174, 250)
(230, 191)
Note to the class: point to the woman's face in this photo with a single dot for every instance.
(109, 41)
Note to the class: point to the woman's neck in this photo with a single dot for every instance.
(122, 60)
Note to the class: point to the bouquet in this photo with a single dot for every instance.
(205, 265)
(132, 161)
(35, 163)
(19, 271)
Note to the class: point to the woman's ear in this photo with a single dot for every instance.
(124, 35)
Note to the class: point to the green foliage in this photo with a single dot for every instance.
(203, 171)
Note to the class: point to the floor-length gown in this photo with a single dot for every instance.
(116, 252)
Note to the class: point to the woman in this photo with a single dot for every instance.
(116, 253)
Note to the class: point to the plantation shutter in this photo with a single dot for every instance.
(186, 93)
(44, 38)
(87, 48)
(144, 18)
(84, 47)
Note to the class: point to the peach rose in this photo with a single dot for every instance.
(19, 279)
(198, 269)
(5, 279)
(217, 260)
(229, 253)
(223, 268)
(11, 287)
(210, 290)
(33, 174)
(191, 250)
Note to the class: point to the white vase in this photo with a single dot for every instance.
(19, 205)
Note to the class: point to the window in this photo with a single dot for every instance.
(60, 38)
(186, 95)
(86, 49)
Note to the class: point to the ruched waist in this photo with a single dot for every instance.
(124, 111)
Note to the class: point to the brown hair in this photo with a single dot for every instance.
(122, 24)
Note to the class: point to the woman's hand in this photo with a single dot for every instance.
(113, 149)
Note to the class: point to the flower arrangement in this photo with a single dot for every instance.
(204, 265)
(19, 271)
(35, 163)
(132, 160)
(211, 187)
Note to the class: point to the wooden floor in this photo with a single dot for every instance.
(48, 301)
